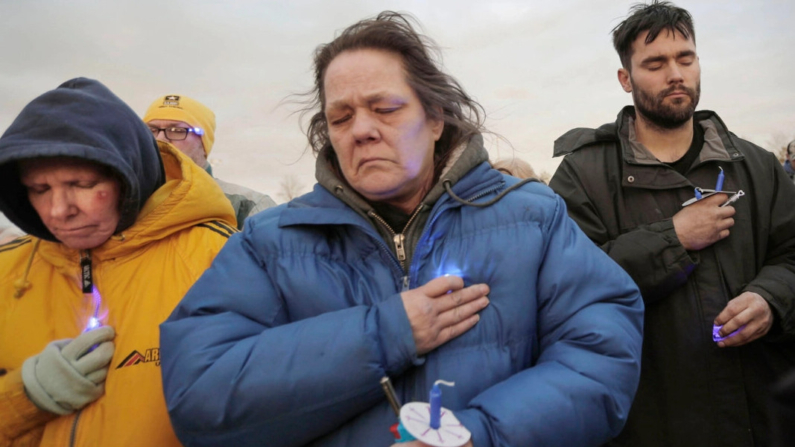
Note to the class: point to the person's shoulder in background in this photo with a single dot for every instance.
(8, 231)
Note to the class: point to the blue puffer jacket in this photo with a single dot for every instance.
(282, 342)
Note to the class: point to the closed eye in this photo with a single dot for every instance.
(338, 121)
(36, 189)
(386, 110)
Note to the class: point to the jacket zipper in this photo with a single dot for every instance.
(86, 273)
(72, 435)
(87, 286)
(399, 239)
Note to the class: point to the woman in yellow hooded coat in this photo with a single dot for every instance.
(121, 226)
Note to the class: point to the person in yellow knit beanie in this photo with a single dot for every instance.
(190, 127)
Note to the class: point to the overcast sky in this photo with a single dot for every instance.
(538, 67)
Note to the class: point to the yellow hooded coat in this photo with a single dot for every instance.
(141, 274)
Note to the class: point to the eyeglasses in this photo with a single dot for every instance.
(176, 133)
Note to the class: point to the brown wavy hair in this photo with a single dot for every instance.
(441, 96)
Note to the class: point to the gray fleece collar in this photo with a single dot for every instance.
(463, 159)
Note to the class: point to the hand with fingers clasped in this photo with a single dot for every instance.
(749, 310)
(703, 223)
(70, 374)
(443, 309)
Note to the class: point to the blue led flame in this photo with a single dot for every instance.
(95, 320)
(93, 323)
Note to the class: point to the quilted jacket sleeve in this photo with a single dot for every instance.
(590, 324)
(238, 371)
(651, 254)
(21, 422)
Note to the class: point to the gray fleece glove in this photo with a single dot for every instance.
(65, 377)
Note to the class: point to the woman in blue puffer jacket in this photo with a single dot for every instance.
(412, 259)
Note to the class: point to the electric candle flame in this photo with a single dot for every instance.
(95, 320)
(93, 323)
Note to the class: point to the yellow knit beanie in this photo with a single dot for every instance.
(187, 110)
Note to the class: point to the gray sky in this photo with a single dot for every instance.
(538, 67)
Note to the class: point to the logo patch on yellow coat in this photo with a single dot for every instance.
(135, 357)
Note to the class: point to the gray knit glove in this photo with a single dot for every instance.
(65, 377)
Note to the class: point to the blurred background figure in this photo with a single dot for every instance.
(190, 127)
(516, 167)
(789, 163)
(8, 231)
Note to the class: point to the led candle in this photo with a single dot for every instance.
(436, 403)
(94, 321)
(430, 423)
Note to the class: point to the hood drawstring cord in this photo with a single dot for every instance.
(447, 186)
(22, 284)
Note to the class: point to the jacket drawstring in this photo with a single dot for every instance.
(447, 186)
(22, 284)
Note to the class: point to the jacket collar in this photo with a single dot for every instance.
(718, 145)
(641, 168)
(331, 193)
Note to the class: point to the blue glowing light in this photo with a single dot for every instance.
(198, 131)
(93, 323)
(449, 271)
(716, 337)
(95, 320)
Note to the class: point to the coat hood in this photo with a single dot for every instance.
(583, 136)
(81, 119)
(189, 197)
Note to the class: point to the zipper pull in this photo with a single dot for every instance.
(401, 252)
(86, 276)
(405, 283)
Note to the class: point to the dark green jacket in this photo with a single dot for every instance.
(691, 393)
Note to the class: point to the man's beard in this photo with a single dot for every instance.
(666, 116)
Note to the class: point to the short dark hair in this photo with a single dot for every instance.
(790, 147)
(654, 17)
(437, 91)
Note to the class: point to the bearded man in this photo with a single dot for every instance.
(717, 276)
